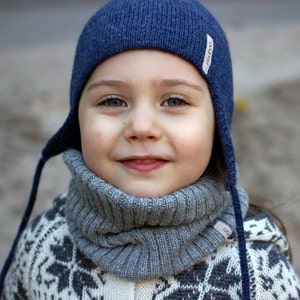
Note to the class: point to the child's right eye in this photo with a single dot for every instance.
(112, 101)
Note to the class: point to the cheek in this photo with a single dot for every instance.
(92, 138)
(94, 127)
(89, 133)
(196, 146)
(99, 137)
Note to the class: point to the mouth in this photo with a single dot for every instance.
(143, 164)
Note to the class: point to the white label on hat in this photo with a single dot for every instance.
(208, 54)
(224, 229)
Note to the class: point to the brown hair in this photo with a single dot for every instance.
(216, 166)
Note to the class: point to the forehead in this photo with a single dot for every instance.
(146, 63)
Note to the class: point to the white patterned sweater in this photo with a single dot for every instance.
(48, 265)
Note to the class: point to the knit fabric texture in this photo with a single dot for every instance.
(49, 265)
(139, 238)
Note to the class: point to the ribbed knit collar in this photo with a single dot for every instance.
(141, 238)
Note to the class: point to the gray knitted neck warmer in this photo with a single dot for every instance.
(141, 238)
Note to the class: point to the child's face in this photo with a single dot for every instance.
(146, 122)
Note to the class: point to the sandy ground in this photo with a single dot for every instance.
(37, 45)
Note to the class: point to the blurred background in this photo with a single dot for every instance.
(37, 44)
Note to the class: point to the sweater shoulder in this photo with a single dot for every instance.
(50, 223)
(271, 274)
(218, 276)
(262, 229)
(34, 249)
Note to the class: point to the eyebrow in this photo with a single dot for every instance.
(108, 82)
(174, 82)
(163, 82)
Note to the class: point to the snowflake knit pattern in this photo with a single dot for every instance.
(50, 266)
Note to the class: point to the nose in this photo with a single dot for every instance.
(143, 124)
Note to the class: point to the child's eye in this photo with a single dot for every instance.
(175, 100)
(112, 101)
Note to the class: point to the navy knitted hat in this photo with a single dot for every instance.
(182, 27)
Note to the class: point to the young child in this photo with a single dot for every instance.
(154, 209)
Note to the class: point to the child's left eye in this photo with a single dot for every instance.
(174, 100)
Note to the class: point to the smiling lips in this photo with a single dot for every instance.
(143, 164)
